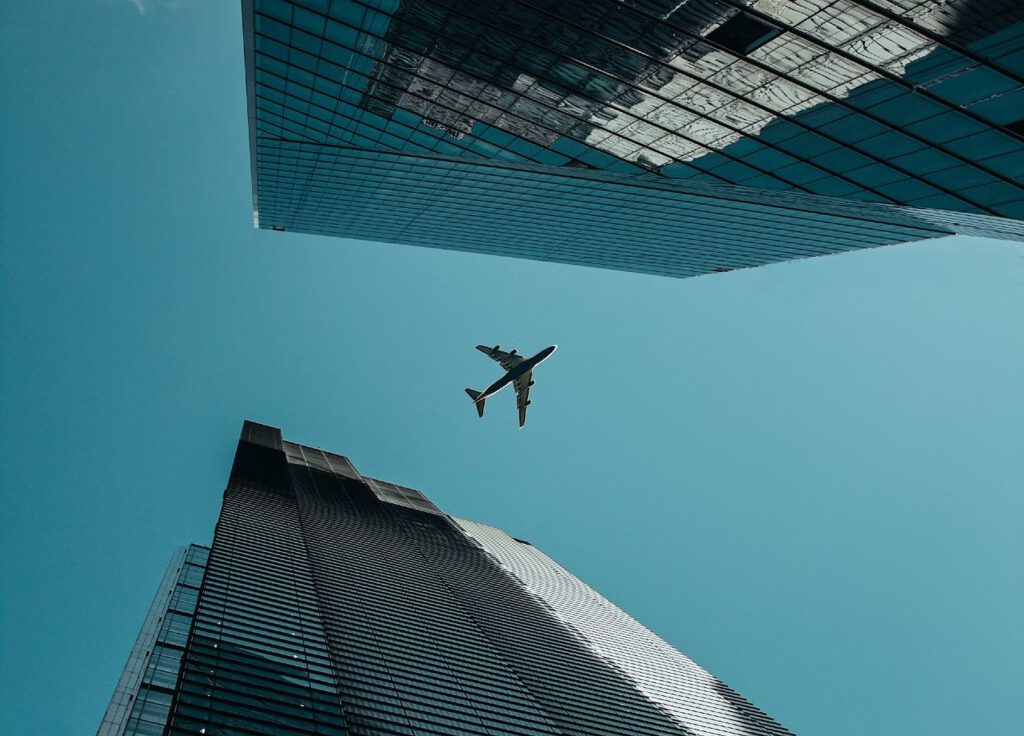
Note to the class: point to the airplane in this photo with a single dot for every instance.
(519, 372)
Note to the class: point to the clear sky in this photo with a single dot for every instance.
(808, 477)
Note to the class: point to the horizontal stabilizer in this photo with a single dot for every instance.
(475, 395)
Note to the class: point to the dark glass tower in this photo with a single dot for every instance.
(336, 604)
(666, 137)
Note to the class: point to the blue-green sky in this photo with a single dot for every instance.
(808, 477)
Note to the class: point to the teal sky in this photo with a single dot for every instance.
(807, 477)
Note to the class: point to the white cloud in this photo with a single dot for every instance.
(144, 6)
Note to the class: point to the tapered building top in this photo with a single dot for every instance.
(333, 603)
(666, 137)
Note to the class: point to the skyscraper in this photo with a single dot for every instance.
(333, 603)
(659, 136)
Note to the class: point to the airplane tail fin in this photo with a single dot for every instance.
(475, 395)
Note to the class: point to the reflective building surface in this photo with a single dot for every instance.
(142, 699)
(659, 136)
(333, 603)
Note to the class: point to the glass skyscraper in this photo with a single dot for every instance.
(333, 603)
(661, 136)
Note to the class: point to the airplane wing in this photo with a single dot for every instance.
(522, 385)
(508, 361)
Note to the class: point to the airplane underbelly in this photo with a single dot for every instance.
(497, 386)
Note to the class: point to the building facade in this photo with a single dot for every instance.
(666, 137)
(142, 698)
(333, 603)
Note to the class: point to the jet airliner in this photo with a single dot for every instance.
(519, 372)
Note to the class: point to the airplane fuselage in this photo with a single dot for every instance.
(520, 370)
